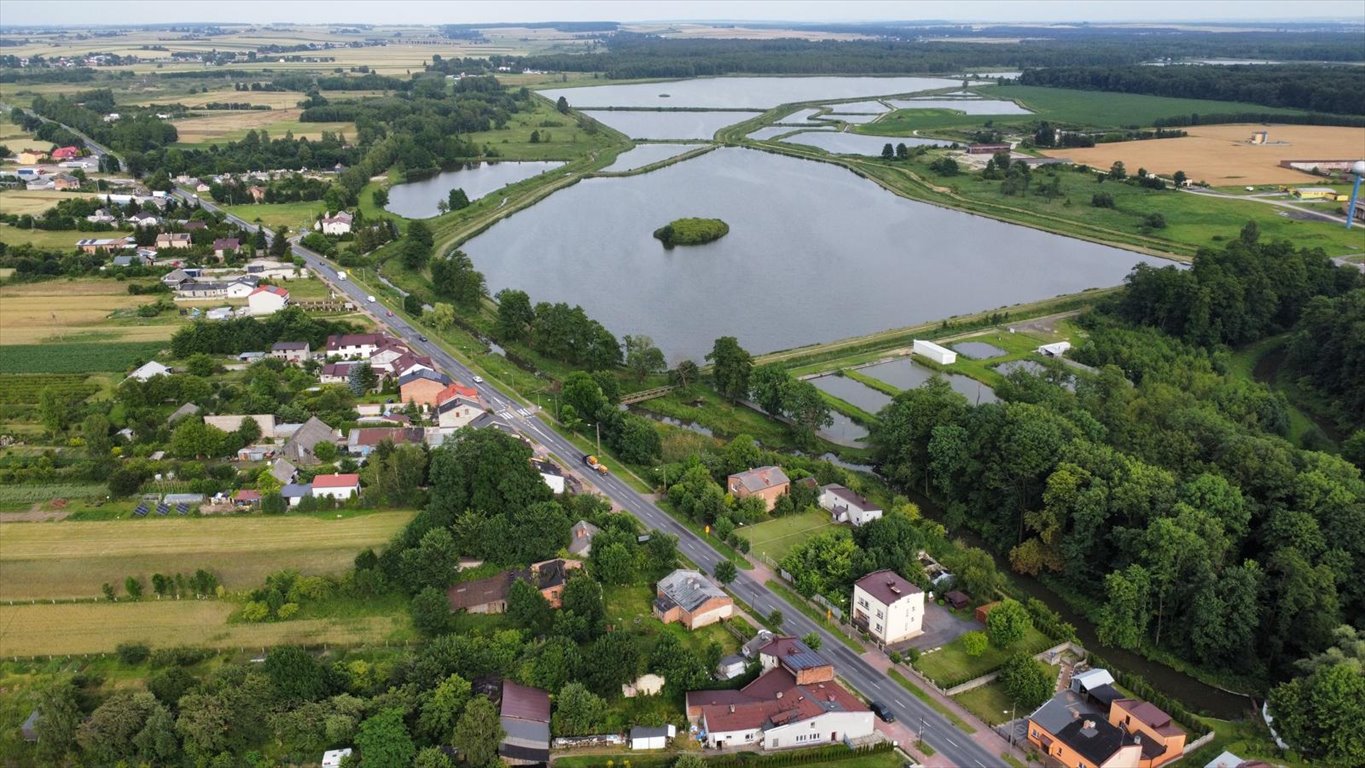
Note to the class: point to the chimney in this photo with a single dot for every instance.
(779, 694)
(1088, 725)
(732, 709)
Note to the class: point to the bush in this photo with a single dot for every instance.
(133, 653)
(1102, 200)
(182, 656)
(975, 643)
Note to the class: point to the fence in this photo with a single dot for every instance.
(819, 601)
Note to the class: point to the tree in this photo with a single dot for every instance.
(812, 641)
(726, 572)
(1179, 178)
(1117, 171)
(1007, 623)
(583, 597)
(578, 711)
(888, 152)
(768, 385)
(457, 199)
(535, 137)
(685, 373)
(412, 305)
(642, 357)
(383, 741)
(432, 757)
(279, 243)
(108, 735)
(442, 317)
(1124, 617)
(1323, 714)
(689, 760)
(775, 619)
(455, 277)
(515, 314)
(61, 717)
(562, 104)
(527, 608)
(380, 197)
(133, 586)
(441, 708)
(478, 733)
(1027, 682)
(902, 151)
(296, 675)
(1102, 200)
(615, 660)
(730, 368)
(431, 612)
(974, 643)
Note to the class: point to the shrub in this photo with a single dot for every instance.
(1102, 200)
(133, 653)
(974, 643)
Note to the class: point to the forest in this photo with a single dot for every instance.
(1160, 493)
(1335, 90)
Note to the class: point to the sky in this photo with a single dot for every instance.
(85, 12)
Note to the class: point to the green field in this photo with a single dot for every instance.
(950, 665)
(989, 703)
(775, 538)
(274, 215)
(1061, 105)
(55, 239)
(72, 559)
(78, 357)
(567, 140)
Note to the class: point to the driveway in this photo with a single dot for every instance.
(940, 628)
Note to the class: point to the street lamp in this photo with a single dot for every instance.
(1357, 170)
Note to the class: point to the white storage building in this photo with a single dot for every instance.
(932, 351)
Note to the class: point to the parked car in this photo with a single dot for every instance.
(369, 299)
(881, 711)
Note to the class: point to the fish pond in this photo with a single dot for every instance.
(839, 143)
(853, 392)
(815, 253)
(742, 92)
(654, 124)
(904, 373)
(647, 154)
(966, 106)
(418, 199)
(978, 350)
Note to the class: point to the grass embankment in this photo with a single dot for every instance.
(933, 703)
(1263, 362)
(72, 560)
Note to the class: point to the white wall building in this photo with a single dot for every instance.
(931, 351)
(845, 506)
(888, 607)
(338, 487)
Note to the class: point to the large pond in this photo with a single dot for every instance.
(815, 253)
(850, 119)
(904, 373)
(772, 131)
(742, 92)
(647, 154)
(859, 108)
(418, 199)
(843, 143)
(668, 125)
(966, 106)
(978, 350)
(854, 392)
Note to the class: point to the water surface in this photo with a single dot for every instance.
(653, 124)
(966, 106)
(815, 253)
(851, 119)
(417, 199)
(646, 154)
(841, 143)
(772, 131)
(859, 108)
(742, 92)
(977, 350)
(905, 373)
(854, 392)
(844, 431)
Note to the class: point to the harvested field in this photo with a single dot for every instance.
(29, 630)
(75, 310)
(72, 559)
(233, 125)
(22, 201)
(272, 99)
(1222, 154)
(16, 139)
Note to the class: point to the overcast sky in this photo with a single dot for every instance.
(22, 12)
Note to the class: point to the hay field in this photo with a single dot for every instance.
(17, 140)
(272, 99)
(1221, 155)
(75, 309)
(72, 559)
(22, 201)
(230, 126)
(30, 630)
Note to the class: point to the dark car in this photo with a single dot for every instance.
(421, 338)
(881, 711)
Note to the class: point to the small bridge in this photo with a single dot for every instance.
(646, 394)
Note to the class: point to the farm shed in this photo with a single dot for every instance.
(932, 351)
(651, 738)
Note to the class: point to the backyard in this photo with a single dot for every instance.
(950, 665)
(774, 538)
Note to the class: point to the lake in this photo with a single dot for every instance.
(815, 253)
(417, 199)
(904, 373)
(841, 143)
(645, 154)
(653, 124)
(853, 392)
(742, 92)
(966, 106)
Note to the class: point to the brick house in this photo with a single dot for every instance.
(768, 483)
(691, 599)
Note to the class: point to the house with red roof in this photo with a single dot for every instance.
(422, 386)
(339, 487)
(267, 300)
(796, 702)
(65, 153)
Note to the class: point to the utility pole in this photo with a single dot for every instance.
(598, 425)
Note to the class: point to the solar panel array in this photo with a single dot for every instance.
(163, 509)
(182, 509)
(141, 511)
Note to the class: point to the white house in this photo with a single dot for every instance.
(267, 300)
(339, 487)
(457, 412)
(141, 220)
(845, 506)
(888, 607)
(651, 738)
(340, 224)
(932, 351)
(354, 346)
(240, 288)
(148, 370)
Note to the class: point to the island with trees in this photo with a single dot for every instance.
(691, 231)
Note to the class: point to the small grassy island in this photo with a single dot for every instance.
(691, 231)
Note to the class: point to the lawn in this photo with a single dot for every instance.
(566, 140)
(22, 201)
(274, 215)
(775, 538)
(989, 703)
(76, 628)
(950, 665)
(53, 239)
(72, 559)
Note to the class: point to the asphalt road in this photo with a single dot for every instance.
(96, 149)
(937, 731)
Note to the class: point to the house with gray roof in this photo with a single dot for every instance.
(299, 449)
(524, 714)
(295, 493)
(580, 538)
(691, 599)
(767, 483)
(183, 412)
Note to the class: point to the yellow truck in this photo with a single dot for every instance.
(595, 465)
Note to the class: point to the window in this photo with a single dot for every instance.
(881, 615)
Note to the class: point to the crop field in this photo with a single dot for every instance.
(272, 99)
(775, 538)
(53, 239)
(75, 311)
(32, 630)
(82, 357)
(22, 201)
(233, 125)
(72, 559)
(1222, 154)
(19, 397)
(16, 139)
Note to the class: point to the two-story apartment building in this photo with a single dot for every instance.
(888, 607)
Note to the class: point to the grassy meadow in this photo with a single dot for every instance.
(72, 559)
(775, 538)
